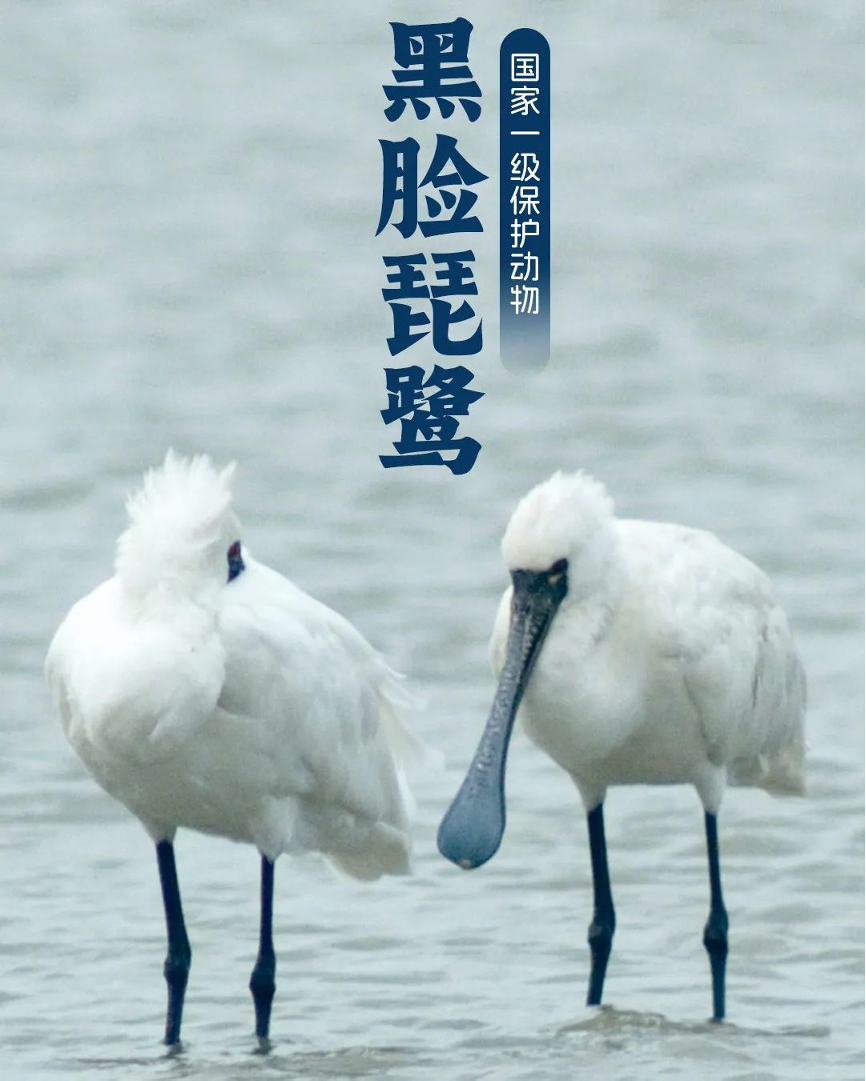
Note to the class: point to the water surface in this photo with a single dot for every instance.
(189, 197)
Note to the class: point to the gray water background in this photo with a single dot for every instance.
(188, 195)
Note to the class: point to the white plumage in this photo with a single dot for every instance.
(633, 653)
(243, 707)
(668, 661)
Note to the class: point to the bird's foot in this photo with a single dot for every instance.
(173, 1049)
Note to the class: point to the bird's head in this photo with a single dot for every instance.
(183, 536)
(558, 546)
(560, 537)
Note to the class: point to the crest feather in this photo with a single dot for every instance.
(179, 522)
(562, 517)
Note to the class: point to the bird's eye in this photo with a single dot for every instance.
(235, 561)
(555, 572)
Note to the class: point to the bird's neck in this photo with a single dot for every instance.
(589, 609)
(171, 600)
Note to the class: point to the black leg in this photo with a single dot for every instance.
(716, 930)
(179, 955)
(603, 923)
(262, 982)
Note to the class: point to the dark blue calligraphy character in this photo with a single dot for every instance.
(410, 326)
(429, 55)
(399, 182)
(428, 428)
(448, 168)
(455, 276)
(407, 279)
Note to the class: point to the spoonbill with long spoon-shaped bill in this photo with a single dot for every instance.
(637, 653)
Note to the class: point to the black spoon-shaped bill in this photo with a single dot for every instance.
(472, 829)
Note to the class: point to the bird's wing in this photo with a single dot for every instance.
(719, 625)
(315, 695)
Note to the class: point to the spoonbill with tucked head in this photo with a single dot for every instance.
(202, 689)
(637, 653)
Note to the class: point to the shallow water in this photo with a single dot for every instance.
(189, 197)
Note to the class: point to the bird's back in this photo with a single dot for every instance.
(715, 622)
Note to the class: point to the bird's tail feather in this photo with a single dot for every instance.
(781, 774)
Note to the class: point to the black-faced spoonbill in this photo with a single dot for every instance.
(637, 653)
(202, 689)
